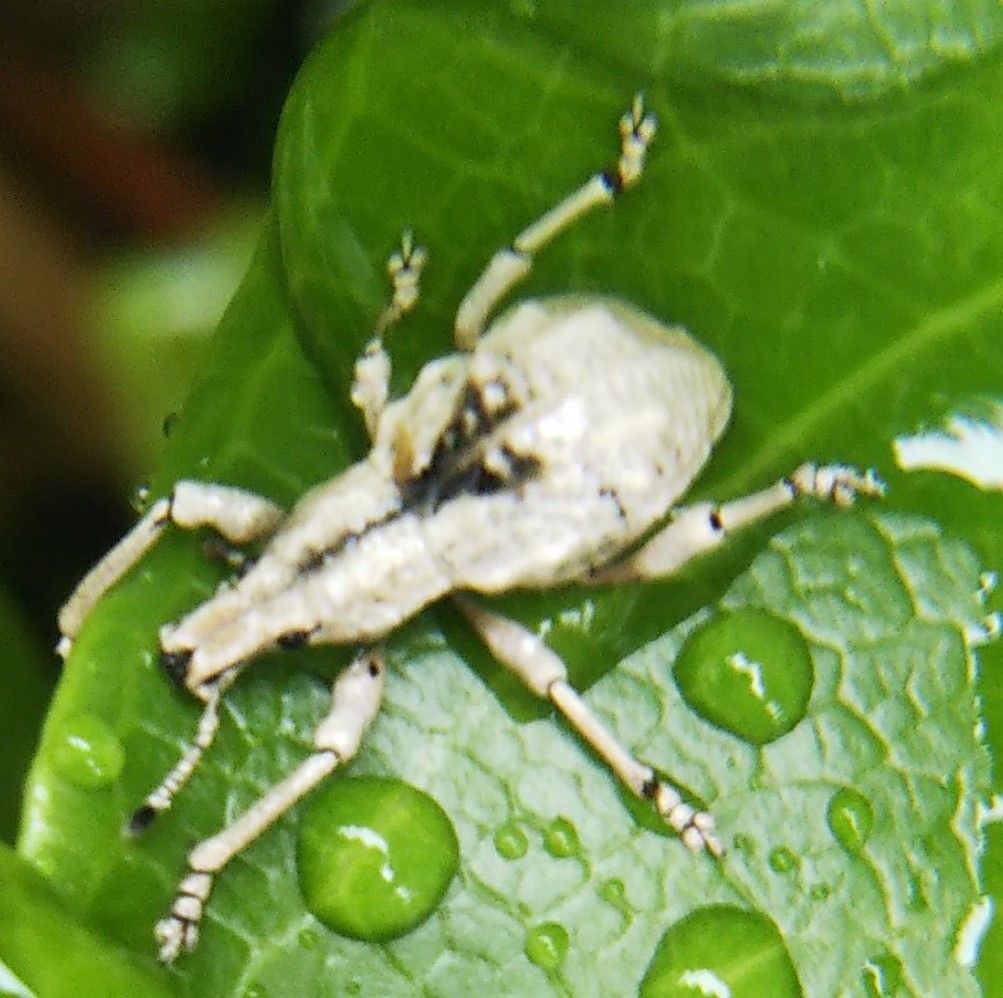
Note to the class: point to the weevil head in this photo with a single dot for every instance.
(411, 427)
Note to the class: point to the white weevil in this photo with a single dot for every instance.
(537, 456)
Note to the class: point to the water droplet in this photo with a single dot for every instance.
(882, 975)
(547, 945)
(255, 991)
(721, 950)
(86, 752)
(308, 937)
(743, 842)
(747, 672)
(511, 841)
(850, 818)
(375, 857)
(561, 839)
(819, 891)
(140, 498)
(614, 893)
(353, 987)
(782, 860)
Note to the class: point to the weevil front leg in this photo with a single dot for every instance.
(510, 265)
(240, 516)
(700, 528)
(525, 654)
(371, 387)
(355, 702)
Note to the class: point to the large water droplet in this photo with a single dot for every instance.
(375, 857)
(561, 839)
(850, 818)
(547, 945)
(511, 841)
(721, 950)
(748, 672)
(86, 752)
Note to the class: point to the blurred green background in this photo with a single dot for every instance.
(135, 146)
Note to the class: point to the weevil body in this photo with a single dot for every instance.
(520, 464)
(541, 454)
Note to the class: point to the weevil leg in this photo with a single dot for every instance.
(371, 386)
(162, 796)
(513, 263)
(355, 701)
(525, 654)
(240, 516)
(700, 528)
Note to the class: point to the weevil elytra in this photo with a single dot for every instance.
(556, 439)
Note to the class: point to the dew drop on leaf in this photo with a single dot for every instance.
(375, 857)
(510, 841)
(614, 894)
(819, 891)
(721, 950)
(547, 945)
(747, 672)
(561, 839)
(850, 818)
(86, 752)
(782, 860)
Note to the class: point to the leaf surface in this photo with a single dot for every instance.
(845, 259)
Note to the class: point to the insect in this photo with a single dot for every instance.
(549, 449)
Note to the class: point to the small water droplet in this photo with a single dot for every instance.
(375, 857)
(353, 987)
(721, 950)
(819, 891)
(782, 860)
(743, 842)
(86, 752)
(747, 672)
(561, 839)
(882, 975)
(140, 498)
(850, 818)
(547, 945)
(170, 421)
(255, 991)
(614, 893)
(510, 840)
(308, 937)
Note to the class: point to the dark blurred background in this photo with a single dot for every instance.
(135, 143)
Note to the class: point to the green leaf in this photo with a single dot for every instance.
(846, 262)
(47, 952)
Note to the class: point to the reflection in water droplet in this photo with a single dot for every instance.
(850, 818)
(561, 839)
(86, 752)
(510, 840)
(721, 950)
(547, 945)
(882, 975)
(747, 672)
(375, 857)
(782, 860)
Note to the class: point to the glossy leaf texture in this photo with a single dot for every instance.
(839, 245)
